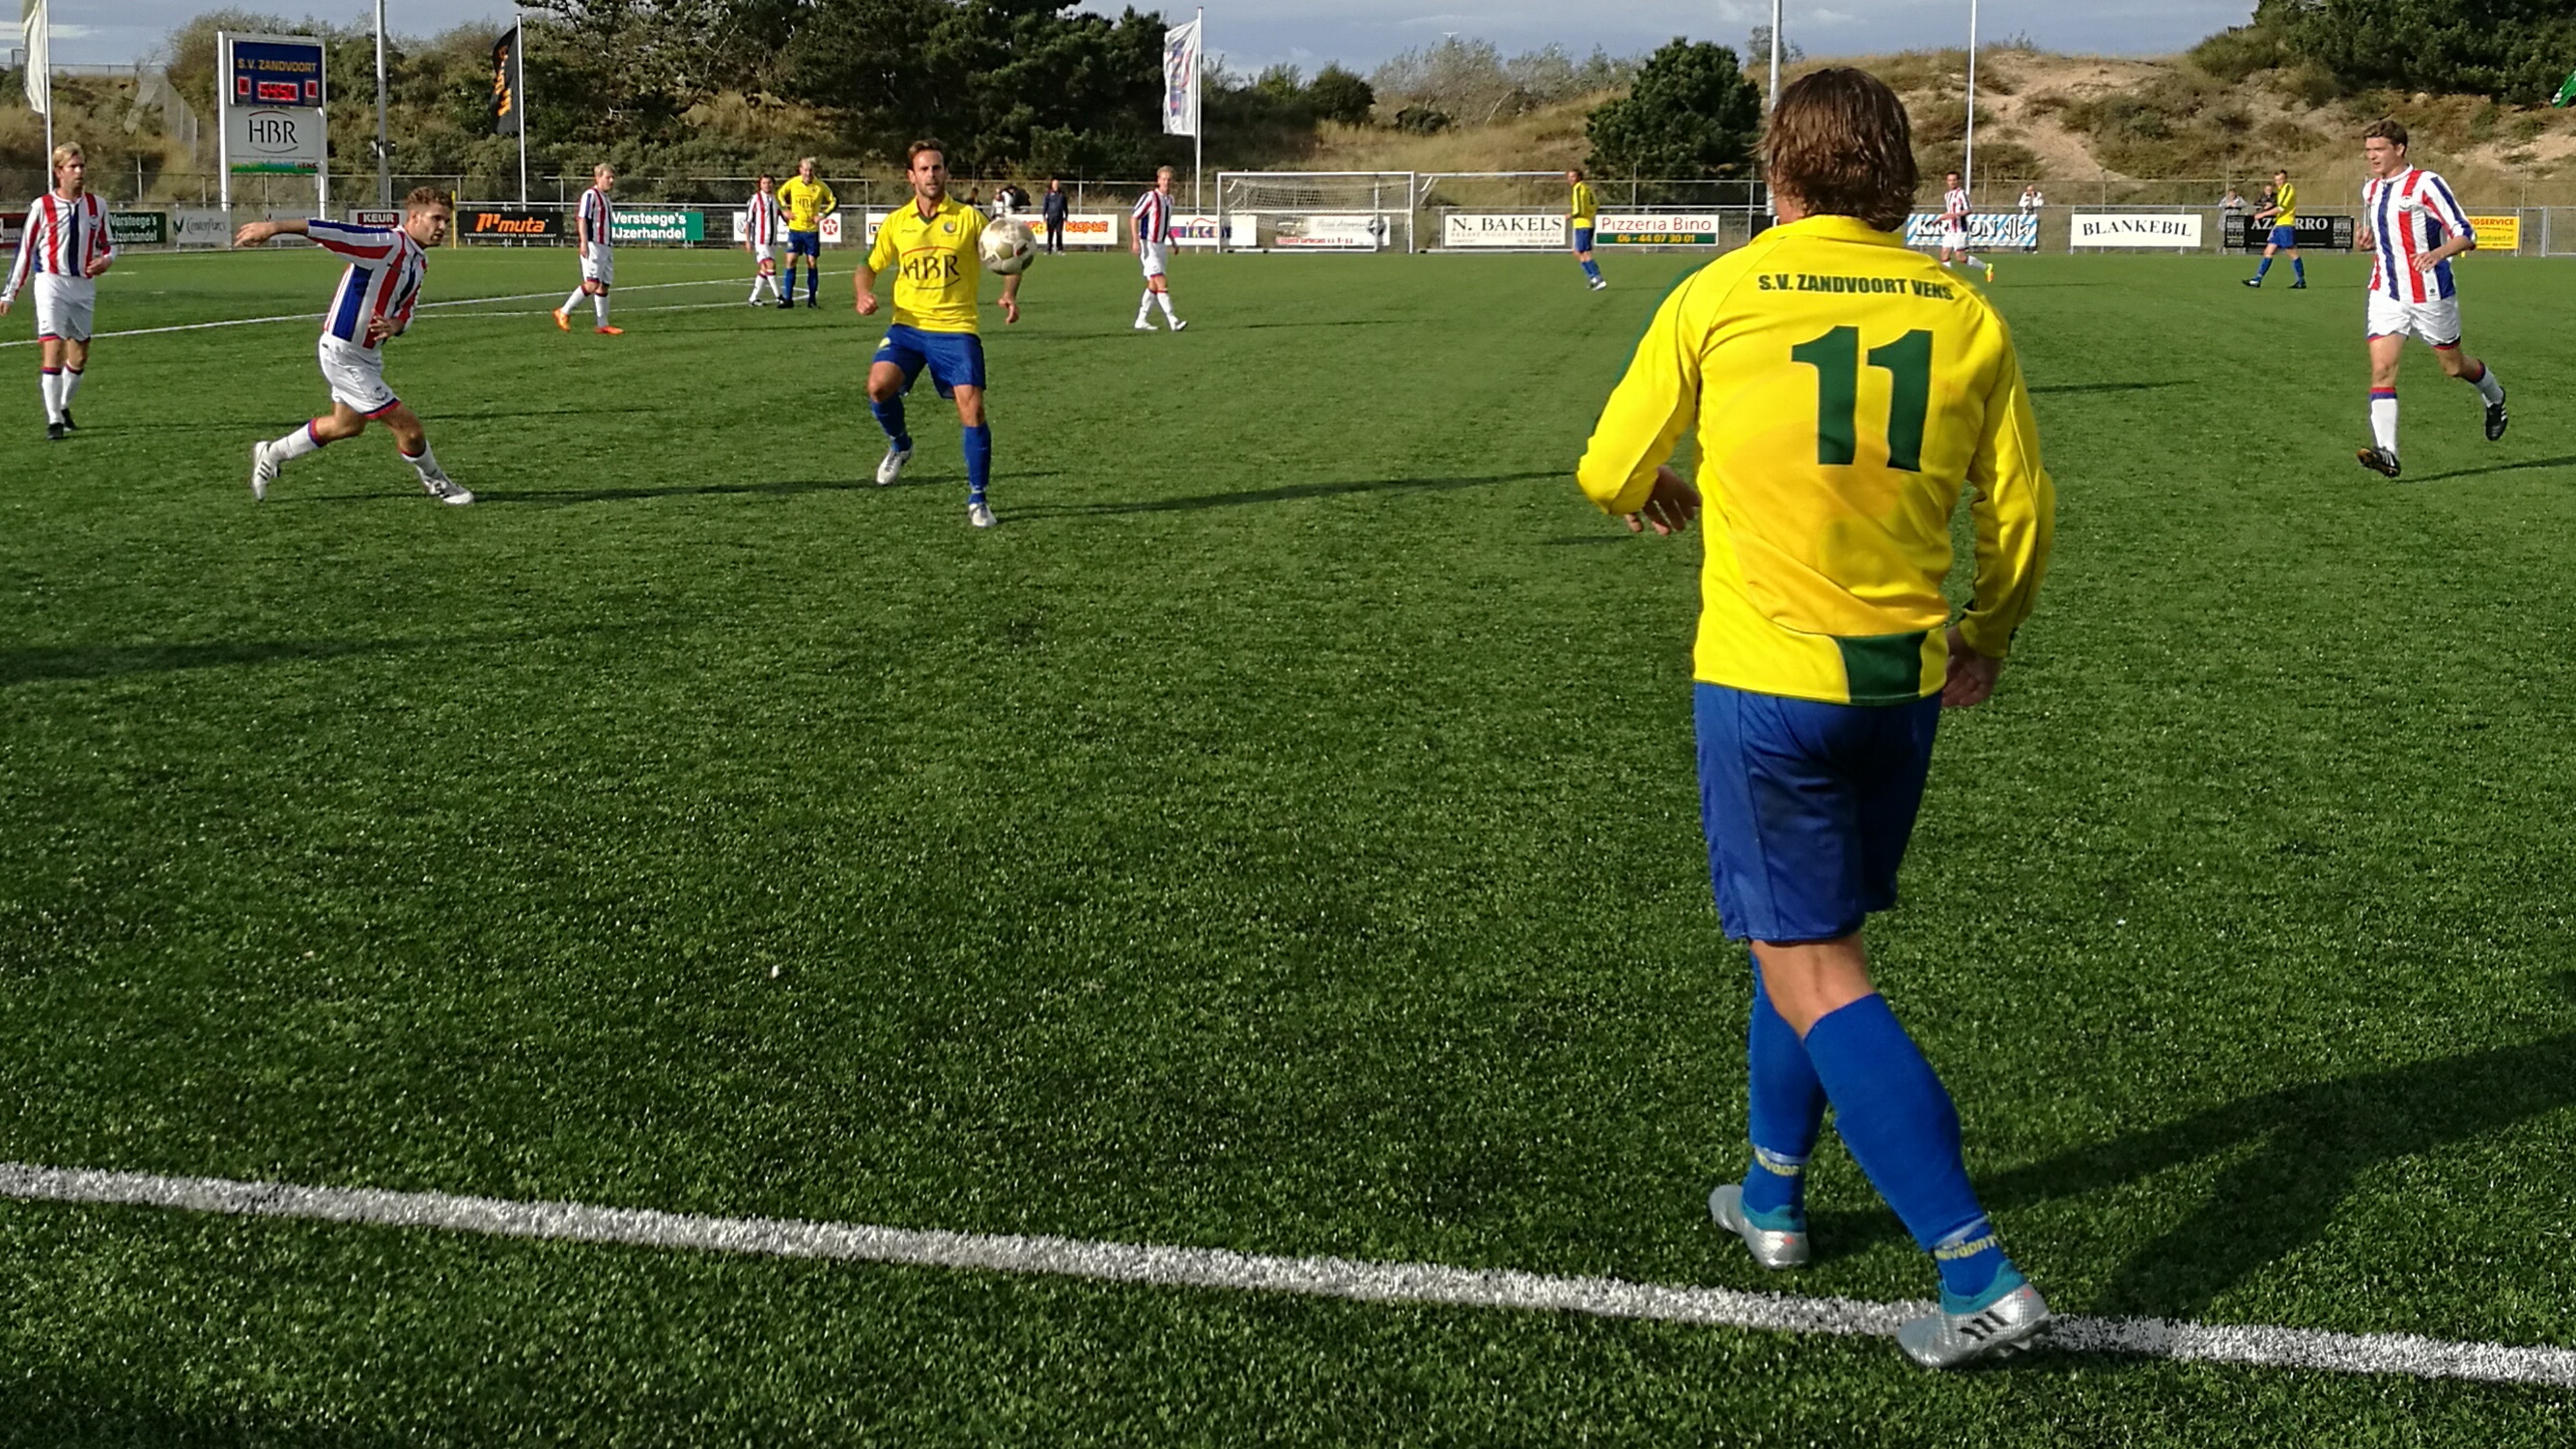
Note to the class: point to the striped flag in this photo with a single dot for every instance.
(1181, 80)
(36, 31)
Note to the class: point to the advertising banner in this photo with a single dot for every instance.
(500, 223)
(832, 228)
(2314, 233)
(199, 226)
(138, 228)
(1988, 231)
(1656, 229)
(2501, 232)
(1504, 230)
(13, 228)
(661, 224)
(2155, 230)
(277, 72)
(1088, 229)
(266, 140)
(509, 84)
(1182, 80)
(376, 216)
(1191, 231)
(1331, 231)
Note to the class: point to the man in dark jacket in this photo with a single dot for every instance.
(1052, 207)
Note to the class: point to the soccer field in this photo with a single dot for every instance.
(1278, 836)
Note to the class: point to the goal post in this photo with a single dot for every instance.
(1326, 211)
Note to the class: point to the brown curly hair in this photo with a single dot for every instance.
(1840, 142)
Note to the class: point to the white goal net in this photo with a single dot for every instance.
(1330, 211)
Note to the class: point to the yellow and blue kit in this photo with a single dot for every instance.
(937, 275)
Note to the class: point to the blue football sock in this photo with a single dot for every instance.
(813, 280)
(2261, 267)
(1592, 270)
(2298, 269)
(1787, 1109)
(1899, 1123)
(890, 417)
(979, 460)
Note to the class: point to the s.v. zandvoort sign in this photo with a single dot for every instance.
(2152, 229)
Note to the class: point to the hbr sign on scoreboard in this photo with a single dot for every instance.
(275, 90)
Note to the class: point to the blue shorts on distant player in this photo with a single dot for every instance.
(2285, 236)
(805, 244)
(1583, 238)
(955, 359)
(1807, 807)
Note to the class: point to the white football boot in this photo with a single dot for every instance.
(980, 514)
(890, 467)
(446, 490)
(2002, 1321)
(1773, 1248)
(263, 471)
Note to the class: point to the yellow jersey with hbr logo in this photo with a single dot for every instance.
(1845, 389)
(937, 269)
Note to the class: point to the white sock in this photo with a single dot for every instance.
(599, 308)
(294, 445)
(2383, 422)
(2486, 384)
(71, 384)
(1145, 305)
(1166, 299)
(425, 463)
(572, 301)
(50, 382)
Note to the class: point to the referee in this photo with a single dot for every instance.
(1846, 390)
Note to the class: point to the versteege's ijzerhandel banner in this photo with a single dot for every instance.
(1503, 230)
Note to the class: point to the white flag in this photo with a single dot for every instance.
(1180, 79)
(37, 33)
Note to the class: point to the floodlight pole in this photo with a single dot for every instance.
(1968, 158)
(384, 162)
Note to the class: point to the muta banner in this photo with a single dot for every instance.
(502, 223)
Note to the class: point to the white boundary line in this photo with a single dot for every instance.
(425, 306)
(2253, 1345)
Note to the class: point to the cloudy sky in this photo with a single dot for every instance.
(1361, 33)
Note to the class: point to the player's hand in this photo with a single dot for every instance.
(5, 304)
(380, 328)
(1010, 308)
(2425, 262)
(254, 234)
(1971, 681)
(98, 267)
(1670, 505)
(867, 304)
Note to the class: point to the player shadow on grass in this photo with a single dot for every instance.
(2299, 1154)
(1284, 493)
(2066, 387)
(783, 488)
(2567, 462)
(26, 664)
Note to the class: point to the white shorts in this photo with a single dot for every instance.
(63, 306)
(1954, 241)
(599, 264)
(1151, 254)
(763, 257)
(356, 376)
(2437, 322)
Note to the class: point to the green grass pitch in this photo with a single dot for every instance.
(1279, 835)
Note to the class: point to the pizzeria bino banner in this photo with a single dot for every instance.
(1988, 231)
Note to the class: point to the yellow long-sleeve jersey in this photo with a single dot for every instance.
(1845, 389)
(806, 203)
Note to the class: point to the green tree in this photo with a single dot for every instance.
(1340, 95)
(2512, 50)
(1691, 115)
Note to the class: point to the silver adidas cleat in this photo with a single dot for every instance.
(263, 471)
(1772, 1249)
(446, 490)
(2005, 1327)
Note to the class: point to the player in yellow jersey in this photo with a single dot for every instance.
(806, 200)
(932, 243)
(1580, 211)
(1845, 390)
(2283, 212)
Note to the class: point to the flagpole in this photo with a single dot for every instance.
(519, 78)
(1775, 54)
(384, 162)
(1198, 121)
(1968, 157)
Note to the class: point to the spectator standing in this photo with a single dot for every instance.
(1053, 208)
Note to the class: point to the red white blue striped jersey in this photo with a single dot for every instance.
(64, 235)
(597, 217)
(1954, 209)
(1154, 219)
(386, 268)
(2409, 214)
(760, 216)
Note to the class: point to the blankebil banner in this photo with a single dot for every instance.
(1988, 231)
(139, 228)
(1331, 231)
(2157, 230)
(497, 223)
(662, 224)
(1504, 230)
(1657, 229)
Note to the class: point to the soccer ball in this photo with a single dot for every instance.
(1007, 246)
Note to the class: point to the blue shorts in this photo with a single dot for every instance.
(1583, 238)
(2285, 236)
(805, 244)
(1807, 807)
(955, 359)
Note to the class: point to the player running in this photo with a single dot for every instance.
(374, 301)
(2413, 226)
(806, 200)
(1579, 213)
(933, 239)
(2283, 212)
(1954, 226)
(1152, 245)
(64, 250)
(1826, 651)
(594, 226)
(760, 237)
